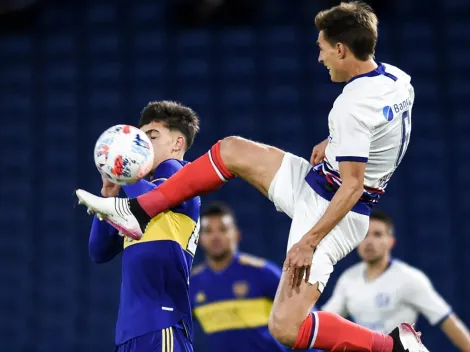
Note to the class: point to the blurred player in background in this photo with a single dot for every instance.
(232, 293)
(391, 290)
(155, 311)
(329, 203)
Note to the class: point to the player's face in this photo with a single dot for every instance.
(163, 141)
(219, 236)
(331, 57)
(378, 242)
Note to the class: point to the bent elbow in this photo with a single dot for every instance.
(358, 191)
(355, 188)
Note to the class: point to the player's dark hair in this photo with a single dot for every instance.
(218, 209)
(354, 24)
(174, 116)
(383, 217)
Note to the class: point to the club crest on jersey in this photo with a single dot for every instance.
(382, 300)
(200, 297)
(240, 289)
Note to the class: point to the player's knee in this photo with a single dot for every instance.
(282, 328)
(231, 148)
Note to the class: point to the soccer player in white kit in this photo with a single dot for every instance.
(391, 290)
(329, 203)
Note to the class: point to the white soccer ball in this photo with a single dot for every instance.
(123, 154)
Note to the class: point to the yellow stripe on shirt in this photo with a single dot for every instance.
(168, 226)
(234, 314)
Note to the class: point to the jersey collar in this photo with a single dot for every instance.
(364, 275)
(380, 70)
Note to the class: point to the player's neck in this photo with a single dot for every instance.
(220, 264)
(176, 155)
(374, 270)
(358, 68)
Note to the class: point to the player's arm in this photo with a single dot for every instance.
(104, 242)
(348, 194)
(425, 299)
(300, 255)
(337, 302)
(457, 332)
(318, 152)
(352, 134)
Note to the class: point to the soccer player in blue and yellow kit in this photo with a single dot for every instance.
(155, 309)
(232, 293)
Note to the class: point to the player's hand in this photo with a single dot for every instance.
(318, 152)
(109, 189)
(299, 260)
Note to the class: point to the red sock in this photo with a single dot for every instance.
(330, 332)
(206, 174)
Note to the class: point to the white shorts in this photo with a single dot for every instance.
(292, 195)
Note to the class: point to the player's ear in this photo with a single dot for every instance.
(238, 236)
(393, 241)
(179, 143)
(340, 50)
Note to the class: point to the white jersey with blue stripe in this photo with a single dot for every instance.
(370, 122)
(400, 294)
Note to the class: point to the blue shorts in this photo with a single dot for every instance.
(166, 340)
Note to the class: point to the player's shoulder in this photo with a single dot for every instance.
(353, 272)
(167, 168)
(395, 73)
(250, 260)
(408, 272)
(374, 85)
(197, 270)
(258, 265)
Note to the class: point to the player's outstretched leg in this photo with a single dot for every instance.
(293, 324)
(233, 156)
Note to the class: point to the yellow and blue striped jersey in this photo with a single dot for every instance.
(156, 269)
(233, 306)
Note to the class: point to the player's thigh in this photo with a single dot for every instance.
(166, 340)
(275, 173)
(254, 162)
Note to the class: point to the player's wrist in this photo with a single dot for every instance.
(312, 239)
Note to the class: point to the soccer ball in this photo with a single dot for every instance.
(123, 154)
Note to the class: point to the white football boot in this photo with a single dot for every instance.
(116, 211)
(406, 339)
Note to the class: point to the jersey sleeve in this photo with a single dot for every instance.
(425, 299)
(104, 242)
(353, 128)
(271, 278)
(337, 302)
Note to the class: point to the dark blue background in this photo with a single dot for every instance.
(70, 70)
